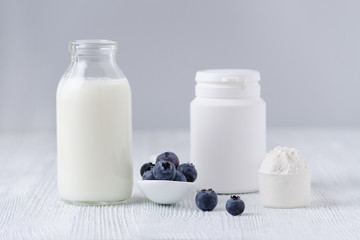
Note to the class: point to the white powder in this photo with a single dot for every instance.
(283, 160)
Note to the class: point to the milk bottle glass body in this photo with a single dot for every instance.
(228, 125)
(94, 127)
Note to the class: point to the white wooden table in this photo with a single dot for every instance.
(31, 209)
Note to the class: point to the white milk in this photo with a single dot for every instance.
(94, 140)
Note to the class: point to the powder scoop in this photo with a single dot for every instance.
(284, 179)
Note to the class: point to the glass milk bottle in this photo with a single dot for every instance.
(94, 129)
(228, 130)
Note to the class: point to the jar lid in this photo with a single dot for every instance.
(227, 83)
(227, 76)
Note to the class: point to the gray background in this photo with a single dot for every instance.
(308, 53)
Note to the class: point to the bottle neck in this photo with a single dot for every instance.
(94, 57)
(93, 50)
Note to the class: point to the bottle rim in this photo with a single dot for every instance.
(92, 45)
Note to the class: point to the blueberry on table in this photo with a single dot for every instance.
(170, 157)
(206, 200)
(146, 167)
(164, 170)
(235, 206)
(148, 175)
(180, 177)
(188, 169)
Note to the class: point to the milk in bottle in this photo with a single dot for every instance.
(94, 130)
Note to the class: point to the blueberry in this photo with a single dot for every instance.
(188, 169)
(146, 167)
(180, 177)
(148, 175)
(170, 157)
(164, 170)
(206, 200)
(235, 206)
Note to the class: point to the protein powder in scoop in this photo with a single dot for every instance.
(284, 179)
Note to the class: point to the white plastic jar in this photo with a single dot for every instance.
(228, 130)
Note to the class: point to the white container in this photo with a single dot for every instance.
(94, 127)
(228, 130)
(158, 191)
(285, 190)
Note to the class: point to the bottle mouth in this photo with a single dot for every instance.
(92, 46)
